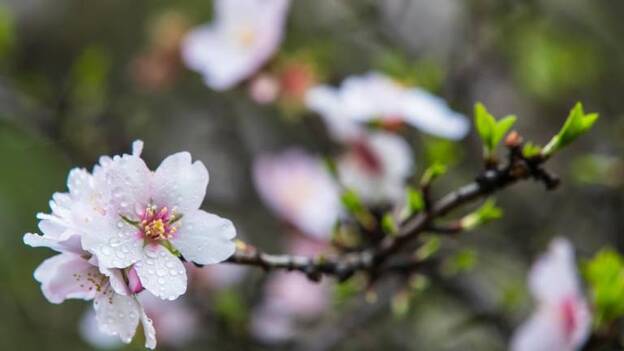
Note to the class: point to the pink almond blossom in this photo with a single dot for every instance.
(375, 96)
(298, 188)
(562, 320)
(241, 39)
(148, 218)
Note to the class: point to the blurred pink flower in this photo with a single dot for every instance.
(298, 188)
(376, 167)
(374, 96)
(242, 37)
(562, 320)
(146, 213)
(290, 298)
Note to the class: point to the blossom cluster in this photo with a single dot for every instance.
(123, 229)
(124, 232)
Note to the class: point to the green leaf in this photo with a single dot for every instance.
(605, 275)
(388, 224)
(464, 260)
(577, 124)
(415, 200)
(352, 202)
(432, 172)
(485, 123)
(484, 214)
(531, 150)
(428, 248)
(502, 127)
(491, 131)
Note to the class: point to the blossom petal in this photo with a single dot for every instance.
(117, 314)
(148, 330)
(540, 333)
(432, 115)
(554, 276)
(180, 183)
(205, 238)
(115, 243)
(162, 273)
(91, 333)
(72, 244)
(128, 179)
(68, 276)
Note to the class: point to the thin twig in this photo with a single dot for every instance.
(372, 260)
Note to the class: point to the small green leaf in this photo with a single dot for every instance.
(605, 275)
(415, 200)
(484, 214)
(352, 202)
(388, 224)
(491, 131)
(577, 124)
(485, 123)
(502, 127)
(428, 248)
(432, 172)
(464, 260)
(531, 150)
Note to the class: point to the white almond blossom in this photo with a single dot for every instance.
(562, 320)
(376, 167)
(241, 39)
(374, 96)
(150, 217)
(120, 230)
(298, 187)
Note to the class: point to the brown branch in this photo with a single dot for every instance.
(372, 260)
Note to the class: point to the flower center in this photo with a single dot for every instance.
(246, 36)
(158, 224)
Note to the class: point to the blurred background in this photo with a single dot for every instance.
(81, 79)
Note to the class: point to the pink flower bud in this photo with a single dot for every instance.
(134, 283)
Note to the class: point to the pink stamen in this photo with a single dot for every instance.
(157, 224)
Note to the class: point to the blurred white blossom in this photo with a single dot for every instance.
(562, 320)
(374, 96)
(240, 40)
